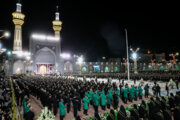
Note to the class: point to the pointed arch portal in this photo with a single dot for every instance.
(45, 61)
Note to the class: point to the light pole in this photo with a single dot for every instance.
(134, 57)
(127, 52)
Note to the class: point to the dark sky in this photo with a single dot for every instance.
(96, 29)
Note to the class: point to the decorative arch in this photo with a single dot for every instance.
(116, 69)
(106, 69)
(45, 56)
(68, 67)
(84, 69)
(18, 67)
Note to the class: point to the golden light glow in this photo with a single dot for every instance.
(17, 15)
(57, 25)
(18, 18)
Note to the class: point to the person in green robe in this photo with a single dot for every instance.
(125, 95)
(131, 94)
(109, 100)
(91, 96)
(96, 101)
(140, 90)
(117, 94)
(103, 101)
(88, 95)
(110, 92)
(86, 104)
(62, 109)
(135, 93)
(146, 89)
(25, 107)
(24, 104)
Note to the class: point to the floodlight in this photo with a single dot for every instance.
(80, 60)
(7, 34)
(134, 55)
(65, 55)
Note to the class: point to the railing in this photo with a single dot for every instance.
(15, 115)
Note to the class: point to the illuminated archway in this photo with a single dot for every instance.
(116, 69)
(68, 67)
(43, 70)
(106, 69)
(47, 57)
(84, 69)
(18, 67)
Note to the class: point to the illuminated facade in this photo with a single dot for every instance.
(16, 63)
(18, 20)
(46, 50)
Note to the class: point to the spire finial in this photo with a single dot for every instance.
(57, 8)
(57, 13)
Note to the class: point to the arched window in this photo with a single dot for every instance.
(84, 69)
(106, 69)
(116, 69)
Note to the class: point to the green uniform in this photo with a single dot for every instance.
(96, 99)
(103, 99)
(140, 91)
(109, 98)
(136, 92)
(146, 88)
(131, 93)
(24, 104)
(125, 93)
(62, 109)
(25, 107)
(117, 93)
(90, 95)
(86, 102)
(110, 92)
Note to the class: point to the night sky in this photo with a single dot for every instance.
(96, 29)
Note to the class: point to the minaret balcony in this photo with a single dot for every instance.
(18, 21)
(17, 15)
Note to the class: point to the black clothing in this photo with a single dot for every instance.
(29, 115)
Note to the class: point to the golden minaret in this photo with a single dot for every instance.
(18, 20)
(57, 26)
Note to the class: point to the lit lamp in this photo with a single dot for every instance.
(5, 35)
(9, 53)
(134, 57)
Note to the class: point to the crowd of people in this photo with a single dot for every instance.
(5, 99)
(146, 75)
(158, 108)
(70, 94)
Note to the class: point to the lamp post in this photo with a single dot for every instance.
(134, 57)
